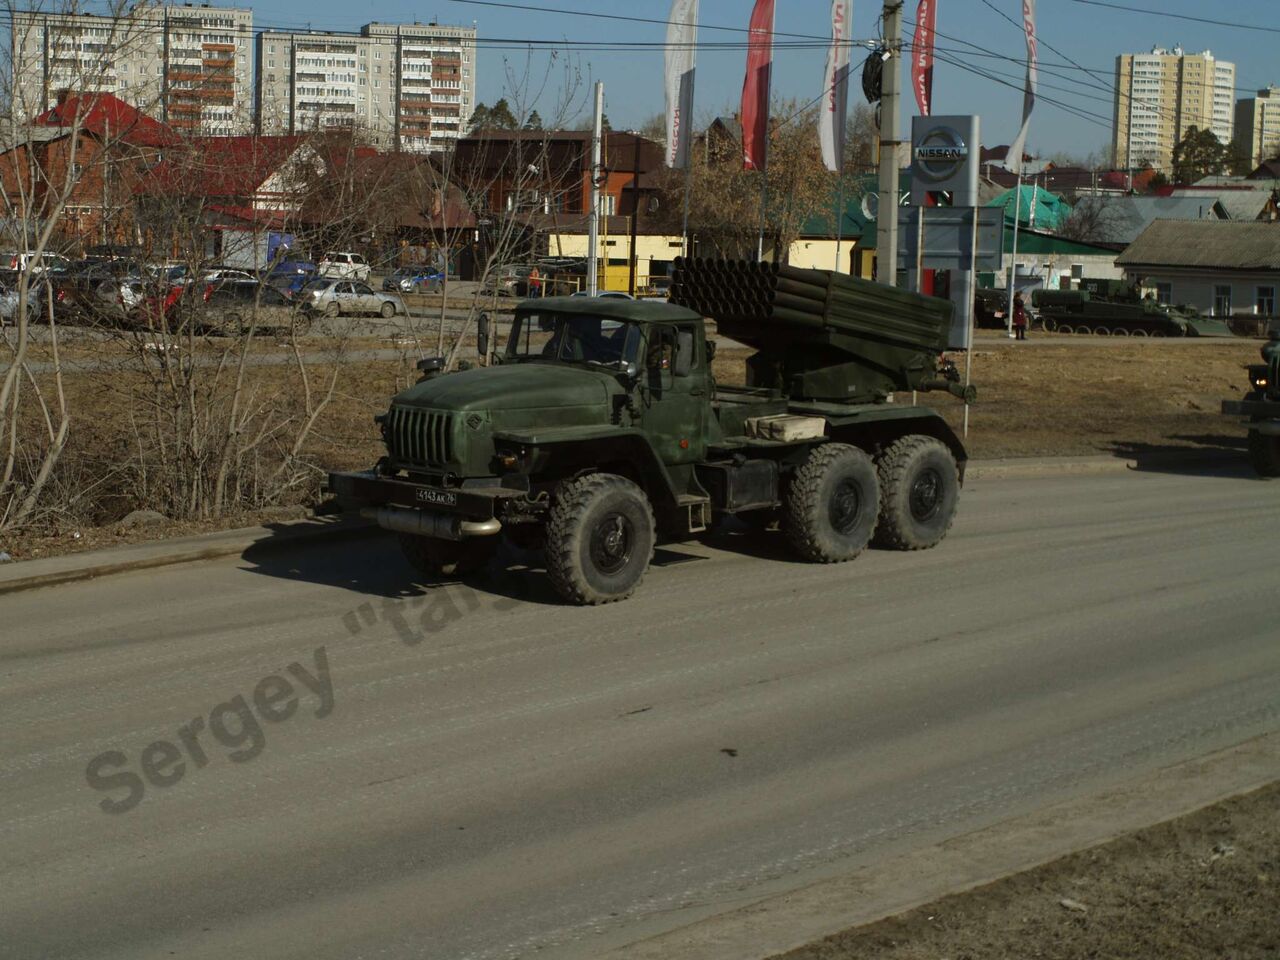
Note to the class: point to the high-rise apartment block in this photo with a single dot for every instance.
(408, 86)
(188, 65)
(1258, 126)
(1161, 95)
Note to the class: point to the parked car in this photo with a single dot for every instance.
(332, 297)
(47, 261)
(120, 298)
(291, 268)
(347, 266)
(510, 281)
(418, 278)
(214, 274)
(37, 296)
(232, 305)
(289, 284)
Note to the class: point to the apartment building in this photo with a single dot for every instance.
(188, 64)
(1162, 94)
(408, 86)
(1258, 126)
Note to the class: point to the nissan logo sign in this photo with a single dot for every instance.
(940, 154)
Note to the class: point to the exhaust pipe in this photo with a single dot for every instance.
(422, 523)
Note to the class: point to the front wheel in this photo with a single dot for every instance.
(599, 539)
(919, 491)
(1264, 453)
(388, 310)
(831, 505)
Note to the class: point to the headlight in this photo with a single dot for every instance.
(1259, 381)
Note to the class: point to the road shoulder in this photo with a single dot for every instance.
(873, 892)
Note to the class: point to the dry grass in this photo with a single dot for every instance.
(1046, 399)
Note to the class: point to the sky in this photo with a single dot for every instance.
(1084, 35)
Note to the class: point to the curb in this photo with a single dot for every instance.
(870, 893)
(1017, 468)
(52, 571)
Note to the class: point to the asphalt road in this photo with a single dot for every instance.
(484, 773)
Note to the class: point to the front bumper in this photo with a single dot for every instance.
(1260, 409)
(419, 508)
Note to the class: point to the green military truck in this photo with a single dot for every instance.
(1260, 409)
(598, 430)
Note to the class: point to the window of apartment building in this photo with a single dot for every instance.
(271, 64)
(377, 83)
(1264, 304)
(1222, 300)
(1164, 294)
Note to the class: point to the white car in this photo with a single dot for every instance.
(346, 266)
(224, 273)
(331, 297)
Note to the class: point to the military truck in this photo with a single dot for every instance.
(1261, 410)
(1113, 308)
(598, 429)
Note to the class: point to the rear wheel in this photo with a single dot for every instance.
(599, 539)
(919, 491)
(433, 558)
(1264, 453)
(832, 503)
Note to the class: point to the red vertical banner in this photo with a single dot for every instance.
(755, 87)
(922, 55)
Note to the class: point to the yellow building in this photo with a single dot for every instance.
(1258, 126)
(1161, 95)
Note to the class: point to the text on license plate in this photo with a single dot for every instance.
(446, 498)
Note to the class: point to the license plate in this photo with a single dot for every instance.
(445, 498)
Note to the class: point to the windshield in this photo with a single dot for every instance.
(573, 338)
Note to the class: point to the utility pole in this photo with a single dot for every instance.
(635, 213)
(887, 208)
(593, 220)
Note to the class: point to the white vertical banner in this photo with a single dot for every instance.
(835, 101)
(1013, 162)
(680, 55)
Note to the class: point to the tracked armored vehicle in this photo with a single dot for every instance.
(1110, 308)
(598, 430)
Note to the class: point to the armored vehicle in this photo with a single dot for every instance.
(1261, 410)
(1112, 308)
(598, 430)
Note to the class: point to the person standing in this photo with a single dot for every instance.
(1019, 317)
(535, 283)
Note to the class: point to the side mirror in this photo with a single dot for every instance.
(684, 353)
(482, 335)
(711, 350)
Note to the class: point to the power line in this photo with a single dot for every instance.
(1178, 16)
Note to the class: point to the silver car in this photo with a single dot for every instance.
(331, 297)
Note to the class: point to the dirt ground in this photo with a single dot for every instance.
(1202, 887)
(1056, 397)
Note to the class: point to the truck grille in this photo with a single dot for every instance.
(421, 438)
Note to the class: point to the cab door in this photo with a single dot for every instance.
(673, 392)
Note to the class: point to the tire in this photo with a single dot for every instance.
(388, 310)
(300, 322)
(919, 491)
(1140, 332)
(831, 506)
(331, 309)
(600, 539)
(1264, 453)
(433, 559)
(1122, 332)
(1102, 331)
(1064, 328)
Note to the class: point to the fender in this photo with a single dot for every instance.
(566, 451)
(877, 426)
